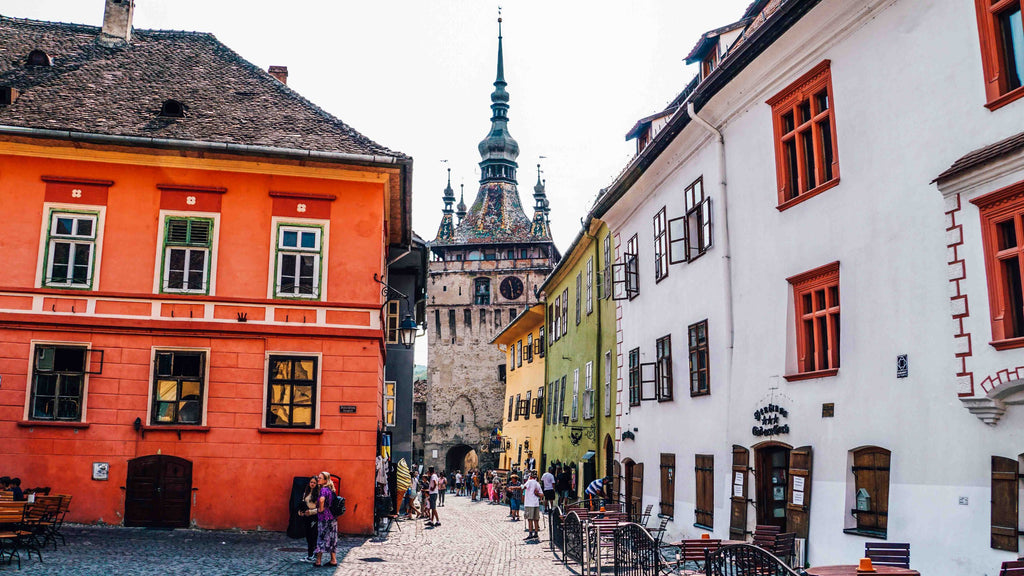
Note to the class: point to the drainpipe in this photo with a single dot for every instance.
(726, 255)
(598, 359)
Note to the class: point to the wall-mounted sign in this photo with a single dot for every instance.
(902, 366)
(347, 409)
(100, 470)
(769, 420)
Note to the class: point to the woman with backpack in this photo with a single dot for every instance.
(327, 524)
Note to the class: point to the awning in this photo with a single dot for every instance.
(587, 456)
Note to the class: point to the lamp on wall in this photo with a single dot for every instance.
(407, 331)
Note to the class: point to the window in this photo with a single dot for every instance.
(298, 261)
(511, 407)
(561, 400)
(389, 403)
(579, 297)
(451, 325)
(660, 245)
(556, 330)
(608, 383)
(497, 319)
(71, 244)
(607, 266)
(527, 404)
(538, 403)
(178, 381)
(392, 321)
(541, 344)
(590, 285)
(663, 368)
(1002, 50)
(483, 319)
(1002, 226)
(805, 137)
(704, 509)
(437, 323)
(575, 394)
(58, 383)
(700, 384)
(816, 296)
(186, 266)
(512, 357)
(1005, 497)
(482, 291)
(519, 353)
(529, 348)
(710, 62)
(634, 377)
(517, 410)
(626, 281)
(467, 319)
(870, 504)
(565, 312)
(588, 392)
(291, 393)
(690, 237)
(551, 395)
(668, 485)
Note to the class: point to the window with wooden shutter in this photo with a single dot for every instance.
(871, 491)
(1004, 504)
(668, 485)
(704, 474)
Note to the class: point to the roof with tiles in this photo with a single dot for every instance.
(983, 156)
(119, 91)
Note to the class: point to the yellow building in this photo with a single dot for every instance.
(523, 420)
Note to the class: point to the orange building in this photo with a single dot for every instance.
(189, 316)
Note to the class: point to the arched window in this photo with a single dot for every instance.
(869, 479)
(482, 291)
(39, 58)
(173, 109)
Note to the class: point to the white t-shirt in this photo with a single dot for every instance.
(530, 497)
(549, 481)
(458, 478)
(432, 487)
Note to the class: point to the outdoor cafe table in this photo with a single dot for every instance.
(851, 570)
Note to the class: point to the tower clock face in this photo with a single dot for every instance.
(511, 288)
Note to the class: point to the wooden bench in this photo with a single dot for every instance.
(1012, 568)
(888, 553)
(694, 551)
(12, 524)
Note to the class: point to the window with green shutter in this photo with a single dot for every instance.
(187, 244)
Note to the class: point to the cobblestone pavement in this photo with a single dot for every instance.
(474, 538)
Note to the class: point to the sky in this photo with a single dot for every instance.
(416, 76)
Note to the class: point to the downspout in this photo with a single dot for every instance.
(597, 355)
(726, 254)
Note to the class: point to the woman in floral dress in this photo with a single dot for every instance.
(327, 524)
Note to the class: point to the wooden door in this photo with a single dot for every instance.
(1004, 504)
(627, 481)
(738, 516)
(668, 485)
(158, 492)
(637, 499)
(798, 500)
(617, 480)
(772, 471)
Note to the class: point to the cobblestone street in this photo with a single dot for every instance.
(473, 539)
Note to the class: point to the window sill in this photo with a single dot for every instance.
(711, 528)
(174, 428)
(51, 424)
(699, 394)
(864, 533)
(807, 195)
(811, 375)
(1007, 344)
(1005, 99)
(667, 517)
(291, 431)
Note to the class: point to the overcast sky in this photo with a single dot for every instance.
(416, 76)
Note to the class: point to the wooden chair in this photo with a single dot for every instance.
(888, 553)
(693, 552)
(1012, 568)
(764, 536)
(785, 547)
(11, 516)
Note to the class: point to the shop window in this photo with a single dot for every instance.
(291, 393)
(179, 381)
(298, 261)
(816, 295)
(868, 502)
(1002, 225)
(807, 162)
(663, 368)
(660, 245)
(70, 250)
(392, 321)
(668, 486)
(590, 285)
(700, 382)
(389, 403)
(634, 377)
(704, 475)
(58, 383)
(186, 265)
(1002, 50)
(482, 291)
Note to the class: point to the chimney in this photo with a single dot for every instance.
(279, 72)
(117, 22)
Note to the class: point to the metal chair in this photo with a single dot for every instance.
(646, 515)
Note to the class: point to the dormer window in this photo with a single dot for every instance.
(39, 58)
(172, 109)
(710, 61)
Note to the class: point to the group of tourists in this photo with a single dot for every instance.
(425, 494)
(320, 522)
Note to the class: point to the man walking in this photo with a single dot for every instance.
(531, 504)
(432, 490)
(547, 482)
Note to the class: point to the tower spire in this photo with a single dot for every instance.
(461, 213)
(447, 228)
(541, 227)
(498, 151)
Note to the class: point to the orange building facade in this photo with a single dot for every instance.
(183, 331)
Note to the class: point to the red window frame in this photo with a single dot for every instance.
(816, 298)
(805, 129)
(996, 209)
(998, 89)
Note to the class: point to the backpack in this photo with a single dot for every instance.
(337, 505)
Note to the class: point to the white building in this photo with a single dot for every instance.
(829, 219)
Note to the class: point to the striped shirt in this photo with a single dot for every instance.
(596, 487)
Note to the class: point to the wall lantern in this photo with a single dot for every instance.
(628, 435)
(565, 420)
(407, 331)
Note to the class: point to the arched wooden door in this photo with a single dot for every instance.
(158, 492)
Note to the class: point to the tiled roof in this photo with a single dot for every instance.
(984, 155)
(119, 91)
(496, 217)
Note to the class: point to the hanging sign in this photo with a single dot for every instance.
(769, 420)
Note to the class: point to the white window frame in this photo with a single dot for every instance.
(266, 388)
(48, 240)
(575, 394)
(588, 392)
(608, 383)
(279, 226)
(590, 285)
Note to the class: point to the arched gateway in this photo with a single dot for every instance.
(460, 457)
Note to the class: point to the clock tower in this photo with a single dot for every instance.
(484, 271)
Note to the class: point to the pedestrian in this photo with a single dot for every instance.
(563, 485)
(458, 483)
(425, 496)
(327, 524)
(477, 482)
(547, 482)
(531, 499)
(441, 489)
(408, 499)
(531, 462)
(515, 495)
(308, 513)
(434, 487)
(596, 492)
